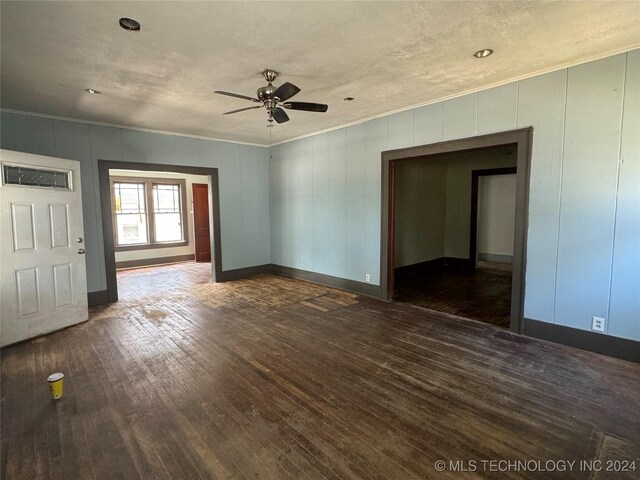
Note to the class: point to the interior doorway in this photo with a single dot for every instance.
(201, 228)
(153, 214)
(453, 226)
(149, 208)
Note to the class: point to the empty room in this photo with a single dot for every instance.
(319, 240)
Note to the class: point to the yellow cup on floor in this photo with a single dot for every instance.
(56, 385)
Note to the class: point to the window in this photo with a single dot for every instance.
(35, 177)
(148, 213)
(131, 213)
(167, 213)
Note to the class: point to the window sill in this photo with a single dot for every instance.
(150, 246)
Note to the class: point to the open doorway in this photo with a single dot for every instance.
(453, 226)
(153, 214)
(149, 220)
(201, 224)
(454, 231)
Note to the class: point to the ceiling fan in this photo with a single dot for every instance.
(275, 99)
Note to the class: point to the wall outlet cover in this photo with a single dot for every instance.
(367, 277)
(597, 324)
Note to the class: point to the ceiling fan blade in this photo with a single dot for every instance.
(244, 97)
(280, 115)
(242, 110)
(306, 106)
(286, 91)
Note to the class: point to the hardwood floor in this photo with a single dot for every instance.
(483, 294)
(273, 378)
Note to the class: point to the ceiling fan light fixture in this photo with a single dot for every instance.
(484, 53)
(92, 91)
(275, 99)
(129, 24)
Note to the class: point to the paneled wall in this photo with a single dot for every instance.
(421, 211)
(243, 177)
(583, 252)
(496, 213)
(459, 171)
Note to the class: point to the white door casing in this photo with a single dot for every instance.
(42, 262)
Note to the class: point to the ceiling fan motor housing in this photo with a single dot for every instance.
(265, 93)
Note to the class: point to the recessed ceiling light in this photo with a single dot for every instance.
(129, 24)
(91, 90)
(348, 99)
(483, 53)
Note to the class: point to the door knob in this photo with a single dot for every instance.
(81, 251)
(79, 239)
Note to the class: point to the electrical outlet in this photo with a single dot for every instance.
(597, 324)
(367, 277)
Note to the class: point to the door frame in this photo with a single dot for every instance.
(107, 221)
(194, 187)
(473, 227)
(522, 139)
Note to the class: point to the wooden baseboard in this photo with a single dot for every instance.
(461, 263)
(361, 288)
(594, 342)
(434, 264)
(100, 297)
(239, 273)
(147, 262)
(494, 257)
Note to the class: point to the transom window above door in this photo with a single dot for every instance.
(148, 213)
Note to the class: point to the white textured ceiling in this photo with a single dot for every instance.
(388, 55)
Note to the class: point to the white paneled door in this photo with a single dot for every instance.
(42, 263)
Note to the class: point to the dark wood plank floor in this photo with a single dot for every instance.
(483, 294)
(272, 378)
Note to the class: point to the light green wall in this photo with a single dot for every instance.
(458, 224)
(420, 201)
(496, 214)
(583, 231)
(243, 172)
(433, 204)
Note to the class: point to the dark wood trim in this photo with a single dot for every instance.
(434, 263)
(460, 263)
(101, 297)
(473, 227)
(494, 257)
(107, 222)
(583, 339)
(146, 262)
(214, 226)
(523, 140)
(240, 273)
(361, 288)
(390, 216)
